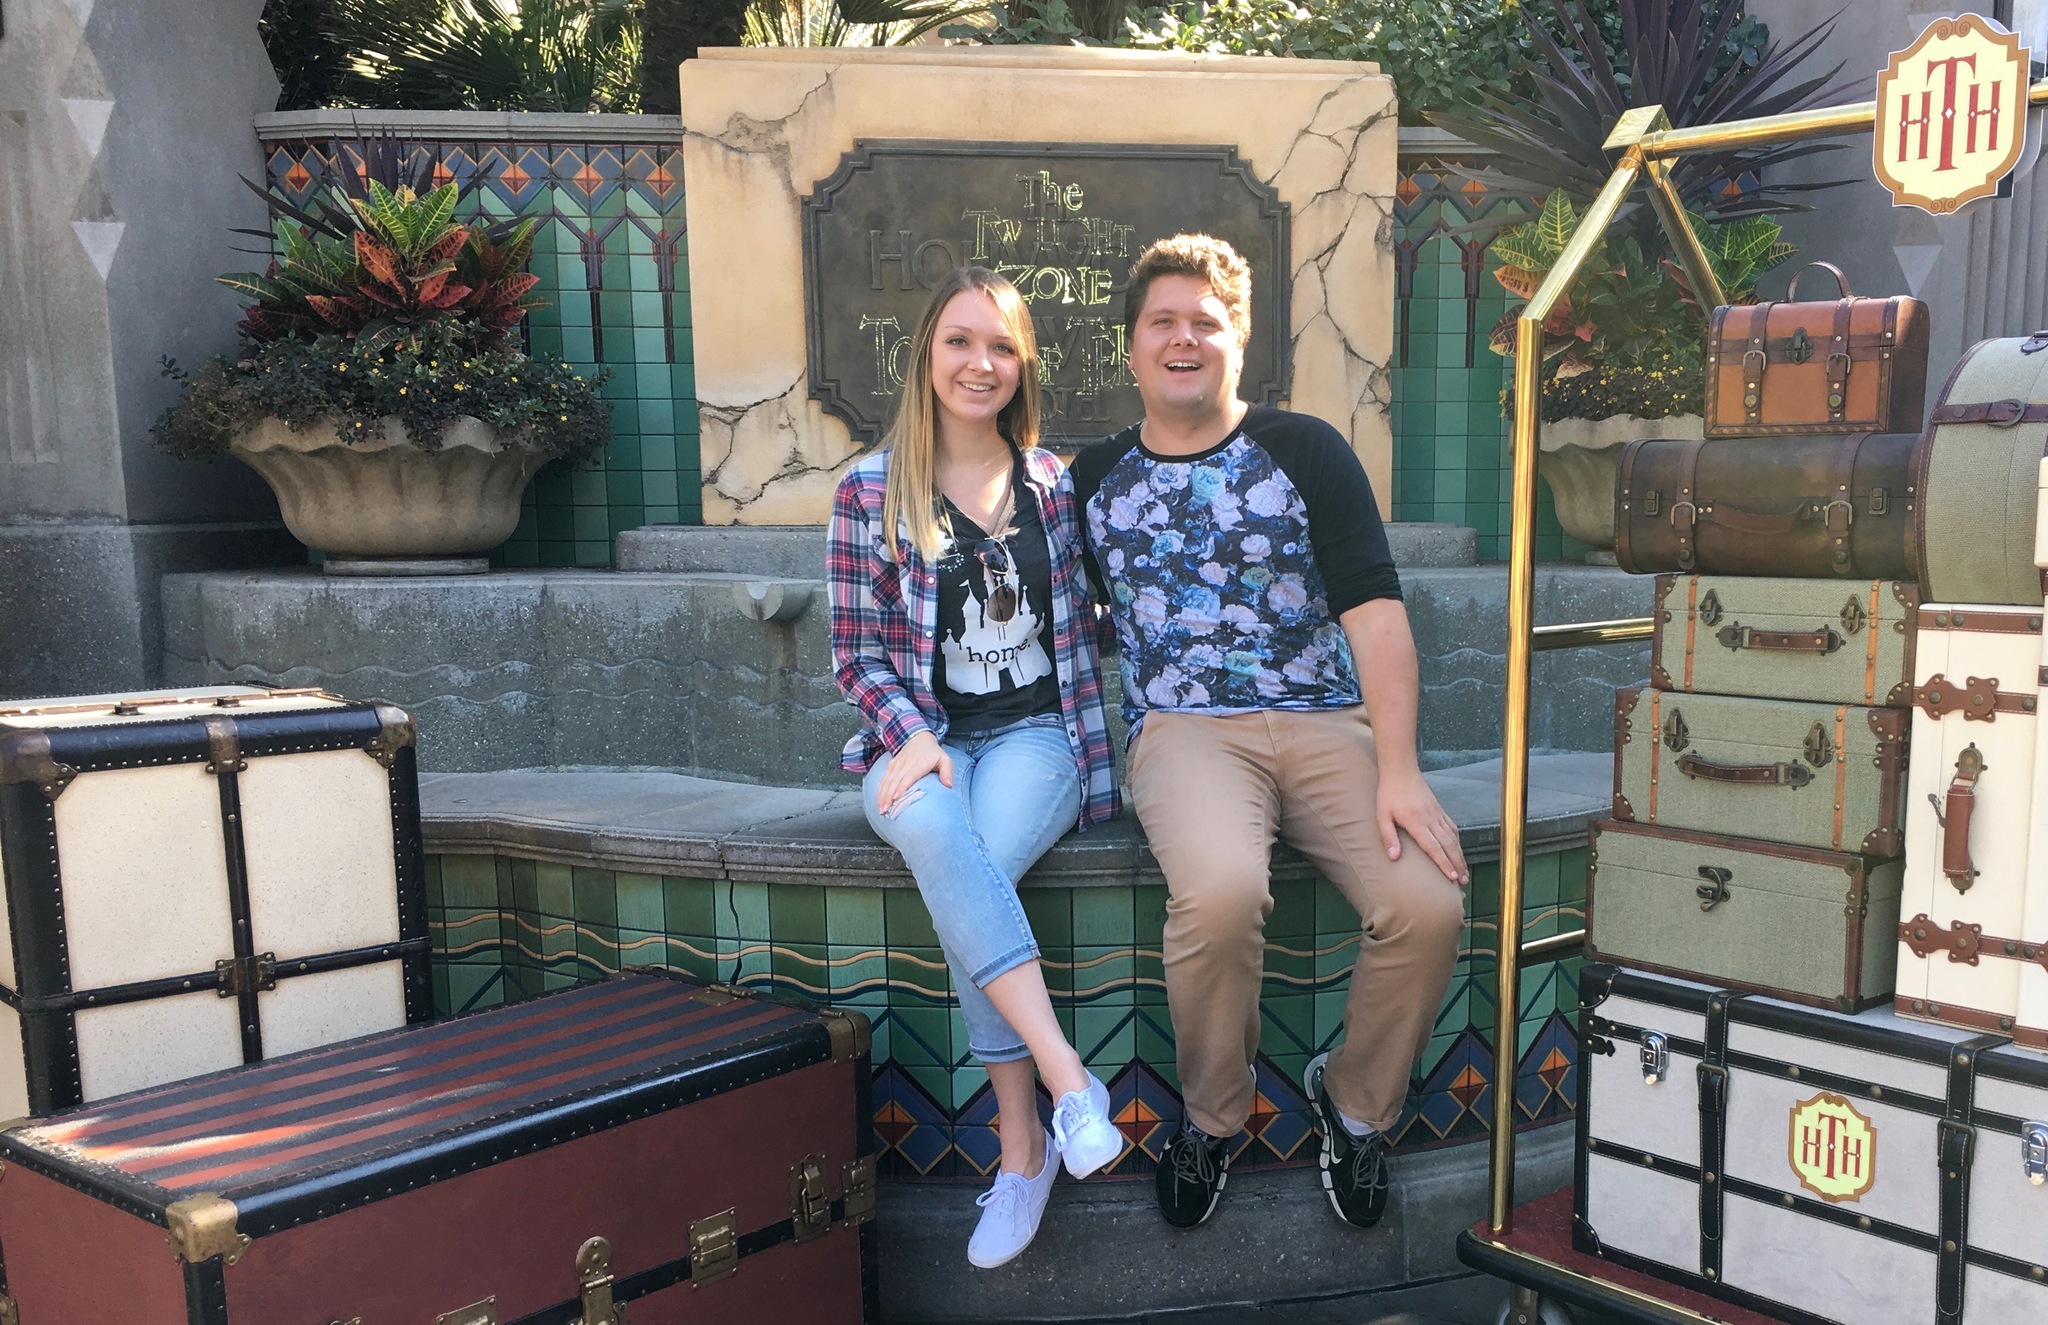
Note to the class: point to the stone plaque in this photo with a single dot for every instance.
(1064, 223)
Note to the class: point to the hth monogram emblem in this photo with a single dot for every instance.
(1951, 114)
(1833, 1148)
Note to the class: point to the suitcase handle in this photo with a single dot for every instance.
(1747, 775)
(1820, 641)
(1841, 281)
(1955, 824)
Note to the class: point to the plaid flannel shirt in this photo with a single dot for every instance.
(884, 627)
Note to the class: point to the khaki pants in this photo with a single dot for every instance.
(1212, 793)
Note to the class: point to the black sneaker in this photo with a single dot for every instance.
(1354, 1170)
(1191, 1174)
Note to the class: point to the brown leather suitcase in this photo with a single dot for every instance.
(1798, 507)
(697, 1152)
(1841, 365)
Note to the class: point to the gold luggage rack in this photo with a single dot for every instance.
(1534, 1253)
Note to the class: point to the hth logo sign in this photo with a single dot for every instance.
(1951, 114)
(1834, 1148)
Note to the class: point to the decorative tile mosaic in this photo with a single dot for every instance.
(612, 257)
(506, 929)
(1450, 441)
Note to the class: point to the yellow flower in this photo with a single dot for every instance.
(458, 386)
(565, 418)
(341, 368)
(401, 391)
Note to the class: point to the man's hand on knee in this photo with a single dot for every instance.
(1406, 804)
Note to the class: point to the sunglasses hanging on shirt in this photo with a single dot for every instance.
(1004, 585)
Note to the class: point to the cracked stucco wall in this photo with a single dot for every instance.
(762, 126)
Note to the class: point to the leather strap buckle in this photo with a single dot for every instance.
(1848, 510)
(2005, 413)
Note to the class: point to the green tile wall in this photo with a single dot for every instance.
(508, 928)
(1450, 441)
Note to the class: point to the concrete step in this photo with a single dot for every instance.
(1103, 1252)
(798, 551)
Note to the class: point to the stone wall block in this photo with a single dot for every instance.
(1308, 301)
(1321, 370)
(747, 333)
(1317, 228)
(1314, 167)
(1357, 102)
(1357, 269)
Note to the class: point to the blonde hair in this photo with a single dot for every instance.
(1204, 257)
(911, 497)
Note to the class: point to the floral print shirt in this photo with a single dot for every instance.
(1226, 571)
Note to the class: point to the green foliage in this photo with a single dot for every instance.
(386, 264)
(307, 60)
(851, 22)
(1738, 252)
(1440, 53)
(1665, 381)
(507, 55)
(1628, 336)
(1702, 61)
(425, 378)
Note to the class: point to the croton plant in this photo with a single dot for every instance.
(379, 303)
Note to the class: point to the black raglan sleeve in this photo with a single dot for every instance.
(1344, 526)
(1090, 467)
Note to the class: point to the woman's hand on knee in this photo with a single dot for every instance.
(921, 754)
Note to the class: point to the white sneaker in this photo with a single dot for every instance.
(1010, 1212)
(1087, 1138)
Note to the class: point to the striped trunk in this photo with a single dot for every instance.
(701, 1154)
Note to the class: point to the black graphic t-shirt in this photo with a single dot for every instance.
(989, 674)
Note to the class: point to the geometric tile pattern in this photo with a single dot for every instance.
(613, 263)
(507, 928)
(1450, 442)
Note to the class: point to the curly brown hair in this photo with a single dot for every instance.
(1204, 257)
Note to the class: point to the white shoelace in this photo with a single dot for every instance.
(1007, 1196)
(1071, 1113)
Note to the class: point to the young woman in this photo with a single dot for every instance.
(963, 632)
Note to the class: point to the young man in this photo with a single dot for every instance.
(1270, 679)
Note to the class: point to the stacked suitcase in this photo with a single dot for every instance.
(1759, 780)
(1823, 843)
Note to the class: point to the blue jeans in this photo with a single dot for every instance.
(1015, 792)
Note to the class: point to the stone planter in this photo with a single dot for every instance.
(1581, 460)
(387, 507)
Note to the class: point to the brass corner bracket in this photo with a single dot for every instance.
(202, 1227)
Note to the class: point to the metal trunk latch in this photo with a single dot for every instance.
(1655, 1057)
(2034, 1151)
(1715, 890)
(857, 1180)
(594, 1284)
(810, 1204)
(1818, 749)
(476, 1313)
(714, 1247)
(245, 975)
(1676, 734)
